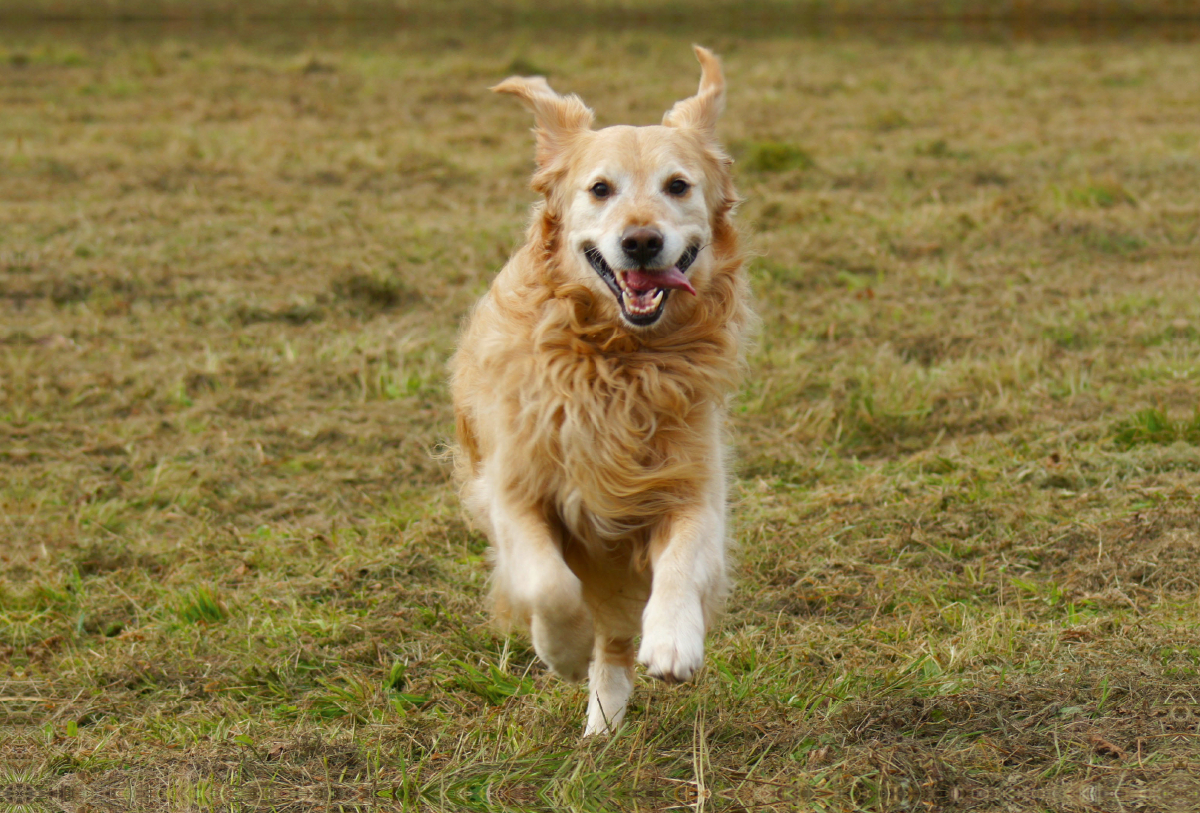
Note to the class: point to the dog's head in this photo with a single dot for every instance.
(639, 211)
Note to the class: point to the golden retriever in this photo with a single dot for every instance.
(590, 388)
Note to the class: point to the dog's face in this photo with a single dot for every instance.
(635, 206)
(638, 218)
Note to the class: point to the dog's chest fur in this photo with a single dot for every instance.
(629, 436)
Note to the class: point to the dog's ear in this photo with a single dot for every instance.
(559, 119)
(700, 112)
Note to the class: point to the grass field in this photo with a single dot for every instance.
(233, 571)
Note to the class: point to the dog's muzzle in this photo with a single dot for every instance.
(642, 292)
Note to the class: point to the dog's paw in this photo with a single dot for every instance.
(672, 655)
(564, 644)
(600, 727)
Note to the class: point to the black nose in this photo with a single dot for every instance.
(641, 244)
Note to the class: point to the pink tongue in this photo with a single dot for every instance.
(642, 281)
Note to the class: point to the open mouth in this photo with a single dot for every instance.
(642, 292)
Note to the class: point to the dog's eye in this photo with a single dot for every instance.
(678, 187)
(601, 190)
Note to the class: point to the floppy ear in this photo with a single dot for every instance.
(700, 112)
(559, 119)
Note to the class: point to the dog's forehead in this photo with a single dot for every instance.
(650, 150)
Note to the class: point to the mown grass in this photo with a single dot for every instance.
(235, 573)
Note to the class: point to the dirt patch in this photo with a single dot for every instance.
(1150, 557)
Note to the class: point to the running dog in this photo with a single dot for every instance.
(590, 388)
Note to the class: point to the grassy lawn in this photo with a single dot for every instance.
(233, 570)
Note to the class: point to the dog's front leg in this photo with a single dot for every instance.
(532, 578)
(610, 682)
(687, 554)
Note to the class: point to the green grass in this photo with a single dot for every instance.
(233, 568)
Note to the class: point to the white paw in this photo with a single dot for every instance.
(672, 654)
(565, 645)
(609, 687)
(598, 724)
(601, 727)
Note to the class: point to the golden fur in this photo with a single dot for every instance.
(582, 436)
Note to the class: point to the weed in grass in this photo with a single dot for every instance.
(1103, 194)
(773, 156)
(490, 683)
(1153, 426)
(202, 605)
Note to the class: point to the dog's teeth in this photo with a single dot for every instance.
(638, 303)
